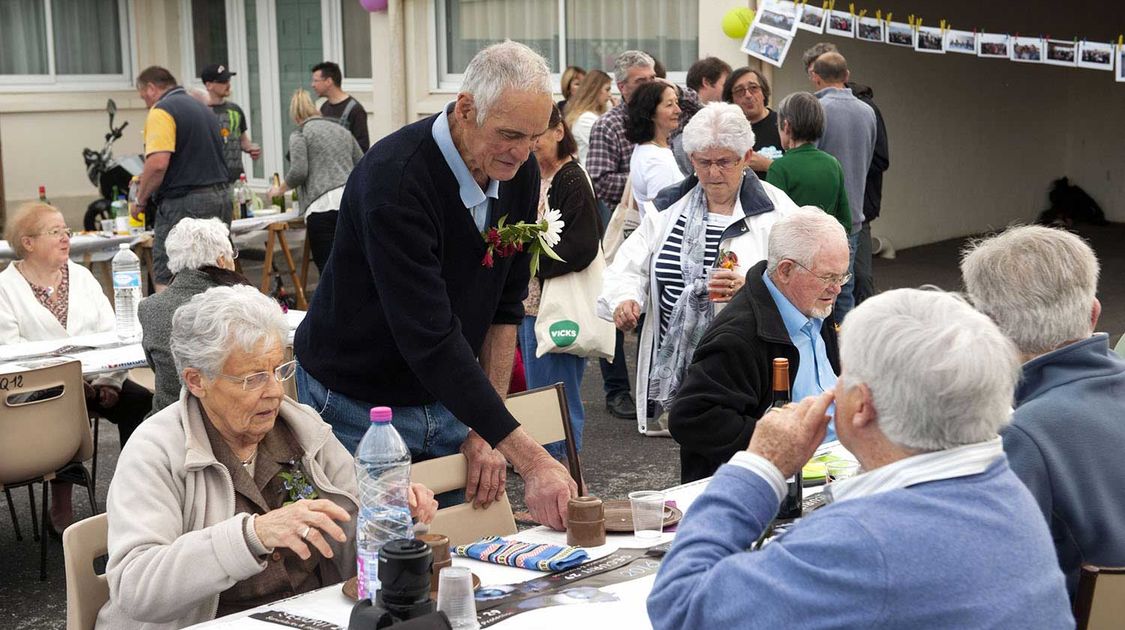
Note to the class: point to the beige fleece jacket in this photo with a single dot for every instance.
(175, 542)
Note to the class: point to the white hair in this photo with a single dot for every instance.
(505, 66)
(200, 94)
(194, 243)
(628, 60)
(719, 126)
(206, 329)
(941, 374)
(1037, 283)
(800, 235)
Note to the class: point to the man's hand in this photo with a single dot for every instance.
(136, 211)
(548, 489)
(789, 436)
(626, 315)
(255, 151)
(487, 471)
(107, 395)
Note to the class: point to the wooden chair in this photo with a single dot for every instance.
(86, 592)
(44, 434)
(1099, 603)
(461, 523)
(543, 413)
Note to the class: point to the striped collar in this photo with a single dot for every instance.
(962, 461)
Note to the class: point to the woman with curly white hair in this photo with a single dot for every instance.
(716, 218)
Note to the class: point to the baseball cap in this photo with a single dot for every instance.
(216, 72)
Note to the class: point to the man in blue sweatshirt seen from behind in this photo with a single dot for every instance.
(937, 533)
(1068, 430)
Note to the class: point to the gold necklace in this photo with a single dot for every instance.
(249, 460)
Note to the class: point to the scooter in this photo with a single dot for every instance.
(106, 172)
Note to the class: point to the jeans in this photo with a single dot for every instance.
(552, 368)
(320, 229)
(615, 376)
(845, 302)
(864, 278)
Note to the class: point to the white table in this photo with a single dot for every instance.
(261, 221)
(107, 353)
(98, 246)
(329, 603)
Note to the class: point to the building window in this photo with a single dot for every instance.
(586, 33)
(209, 33)
(355, 23)
(54, 41)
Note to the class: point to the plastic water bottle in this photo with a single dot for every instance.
(126, 292)
(120, 209)
(382, 464)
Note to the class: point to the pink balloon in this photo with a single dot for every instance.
(374, 5)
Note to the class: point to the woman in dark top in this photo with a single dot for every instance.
(564, 187)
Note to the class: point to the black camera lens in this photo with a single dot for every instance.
(404, 574)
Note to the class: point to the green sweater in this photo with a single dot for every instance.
(812, 177)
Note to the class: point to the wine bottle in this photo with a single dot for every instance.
(279, 200)
(791, 504)
(43, 194)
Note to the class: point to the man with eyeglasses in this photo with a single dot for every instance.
(749, 89)
(782, 313)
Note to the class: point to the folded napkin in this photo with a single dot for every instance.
(513, 553)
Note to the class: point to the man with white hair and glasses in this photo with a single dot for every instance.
(782, 313)
(1039, 285)
(937, 533)
(407, 314)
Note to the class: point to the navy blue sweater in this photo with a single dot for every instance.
(402, 309)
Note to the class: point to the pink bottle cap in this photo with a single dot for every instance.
(381, 414)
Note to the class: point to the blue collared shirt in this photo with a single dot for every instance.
(814, 372)
(476, 200)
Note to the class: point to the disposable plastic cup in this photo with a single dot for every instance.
(648, 513)
(840, 470)
(455, 597)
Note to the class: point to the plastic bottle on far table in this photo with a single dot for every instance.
(127, 293)
(382, 464)
(120, 215)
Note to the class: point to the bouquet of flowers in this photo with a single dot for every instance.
(505, 240)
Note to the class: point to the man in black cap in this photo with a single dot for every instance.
(232, 120)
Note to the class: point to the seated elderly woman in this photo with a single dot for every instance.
(43, 295)
(201, 256)
(717, 217)
(201, 521)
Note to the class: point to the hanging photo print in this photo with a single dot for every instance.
(1027, 49)
(1121, 64)
(811, 18)
(1061, 53)
(900, 34)
(840, 23)
(1095, 55)
(869, 29)
(770, 47)
(964, 42)
(993, 45)
(930, 40)
(778, 17)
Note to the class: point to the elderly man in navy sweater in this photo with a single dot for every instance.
(406, 315)
(938, 533)
(1039, 284)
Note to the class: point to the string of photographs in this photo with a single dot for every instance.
(776, 23)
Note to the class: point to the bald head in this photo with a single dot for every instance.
(831, 69)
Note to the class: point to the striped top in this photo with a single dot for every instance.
(669, 276)
(961, 461)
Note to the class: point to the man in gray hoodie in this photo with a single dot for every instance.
(849, 135)
(1066, 436)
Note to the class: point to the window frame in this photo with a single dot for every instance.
(55, 82)
(445, 82)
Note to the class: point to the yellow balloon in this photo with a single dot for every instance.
(737, 21)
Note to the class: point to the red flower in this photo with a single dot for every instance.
(519, 246)
(492, 237)
(487, 260)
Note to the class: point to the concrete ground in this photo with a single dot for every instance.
(615, 461)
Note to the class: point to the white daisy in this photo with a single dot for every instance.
(553, 232)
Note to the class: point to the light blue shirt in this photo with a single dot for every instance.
(814, 371)
(476, 200)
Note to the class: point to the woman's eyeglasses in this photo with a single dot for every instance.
(258, 380)
(56, 233)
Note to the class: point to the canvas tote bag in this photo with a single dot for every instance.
(566, 322)
(625, 219)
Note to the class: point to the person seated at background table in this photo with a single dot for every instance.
(937, 533)
(43, 296)
(1039, 285)
(781, 315)
(200, 256)
(201, 521)
(808, 175)
(660, 269)
(322, 153)
(654, 113)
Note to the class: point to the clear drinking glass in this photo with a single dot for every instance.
(839, 470)
(648, 513)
